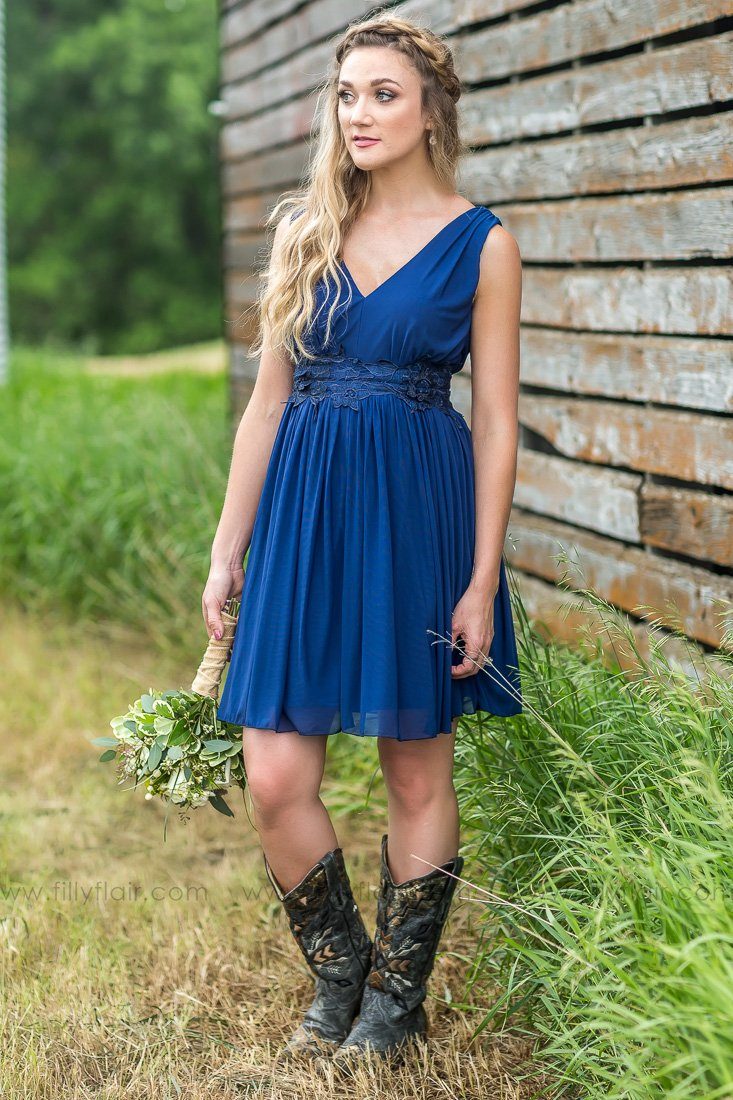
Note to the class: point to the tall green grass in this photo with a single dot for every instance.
(110, 492)
(601, 822)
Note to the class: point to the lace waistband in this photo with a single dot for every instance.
(346, 380)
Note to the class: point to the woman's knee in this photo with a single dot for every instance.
(278, 779)
(417, 774)
(414, 789)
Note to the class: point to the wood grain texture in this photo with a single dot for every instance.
(674, 593)
(558, 618)
(688, 446)
(561, 34)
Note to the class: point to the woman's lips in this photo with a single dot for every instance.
(364, 142)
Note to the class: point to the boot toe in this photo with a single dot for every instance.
(364, 1039)
(308, 1043)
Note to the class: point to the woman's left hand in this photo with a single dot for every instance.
(473, 618)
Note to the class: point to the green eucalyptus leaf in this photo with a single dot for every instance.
(108, 754)
(179, 735)
(154, 757)
(113, 741)
(219, 804)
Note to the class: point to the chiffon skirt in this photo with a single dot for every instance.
(362, 546)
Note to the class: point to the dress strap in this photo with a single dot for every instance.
(482, 226)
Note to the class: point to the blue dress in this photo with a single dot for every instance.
(364, 534)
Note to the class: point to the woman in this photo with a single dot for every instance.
(375, 601)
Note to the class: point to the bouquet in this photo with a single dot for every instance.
(172, 741)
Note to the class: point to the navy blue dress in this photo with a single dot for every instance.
(364, 534)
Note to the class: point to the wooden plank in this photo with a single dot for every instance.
(474, 11)
(290, 121)
(676, 593)
(687, 446)
(688, 521)
(264, 176)
(244, 215)
(240, 291)
(685, 521)
(590, 496)
(675, 225)
(572, 30)
(284, 83)
(244, 251)
(655, 82)
(694, 373)
(696, 300)
(307, 24)
(247, 20)
(635, 158)
(556, 618)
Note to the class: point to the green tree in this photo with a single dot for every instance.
(113, 203)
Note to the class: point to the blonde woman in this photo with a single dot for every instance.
(375, 600)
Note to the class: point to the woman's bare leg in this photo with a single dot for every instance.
(421, 801)
(284, 773)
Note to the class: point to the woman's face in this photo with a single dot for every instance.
(379, 98)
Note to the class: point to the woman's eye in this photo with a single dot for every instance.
(382, 91)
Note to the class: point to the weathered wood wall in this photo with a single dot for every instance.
(601, 135)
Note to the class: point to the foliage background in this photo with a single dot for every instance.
(113, 207)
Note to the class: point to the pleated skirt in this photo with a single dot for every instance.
(361, 547)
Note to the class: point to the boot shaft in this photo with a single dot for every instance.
(410, 919)
(325, 921)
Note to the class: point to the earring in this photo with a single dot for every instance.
(432, 140)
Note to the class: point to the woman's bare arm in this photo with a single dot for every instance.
(494, 432)
(495, 399)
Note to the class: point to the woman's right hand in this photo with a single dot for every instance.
(223, 582)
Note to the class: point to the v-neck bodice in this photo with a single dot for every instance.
(408, 263)
(422, 311)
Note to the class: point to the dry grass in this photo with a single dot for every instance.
(142, 968)
(206, 358)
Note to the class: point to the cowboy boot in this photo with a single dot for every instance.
(410, 920)
(330, 933)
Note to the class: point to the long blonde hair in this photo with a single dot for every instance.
(335, 190)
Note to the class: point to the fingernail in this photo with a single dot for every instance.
(217, 635)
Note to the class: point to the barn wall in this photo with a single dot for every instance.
(601, 135)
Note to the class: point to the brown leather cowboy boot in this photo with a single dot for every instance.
(329, 931)
(410, 920)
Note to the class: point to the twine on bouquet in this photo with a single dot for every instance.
(208, 678)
